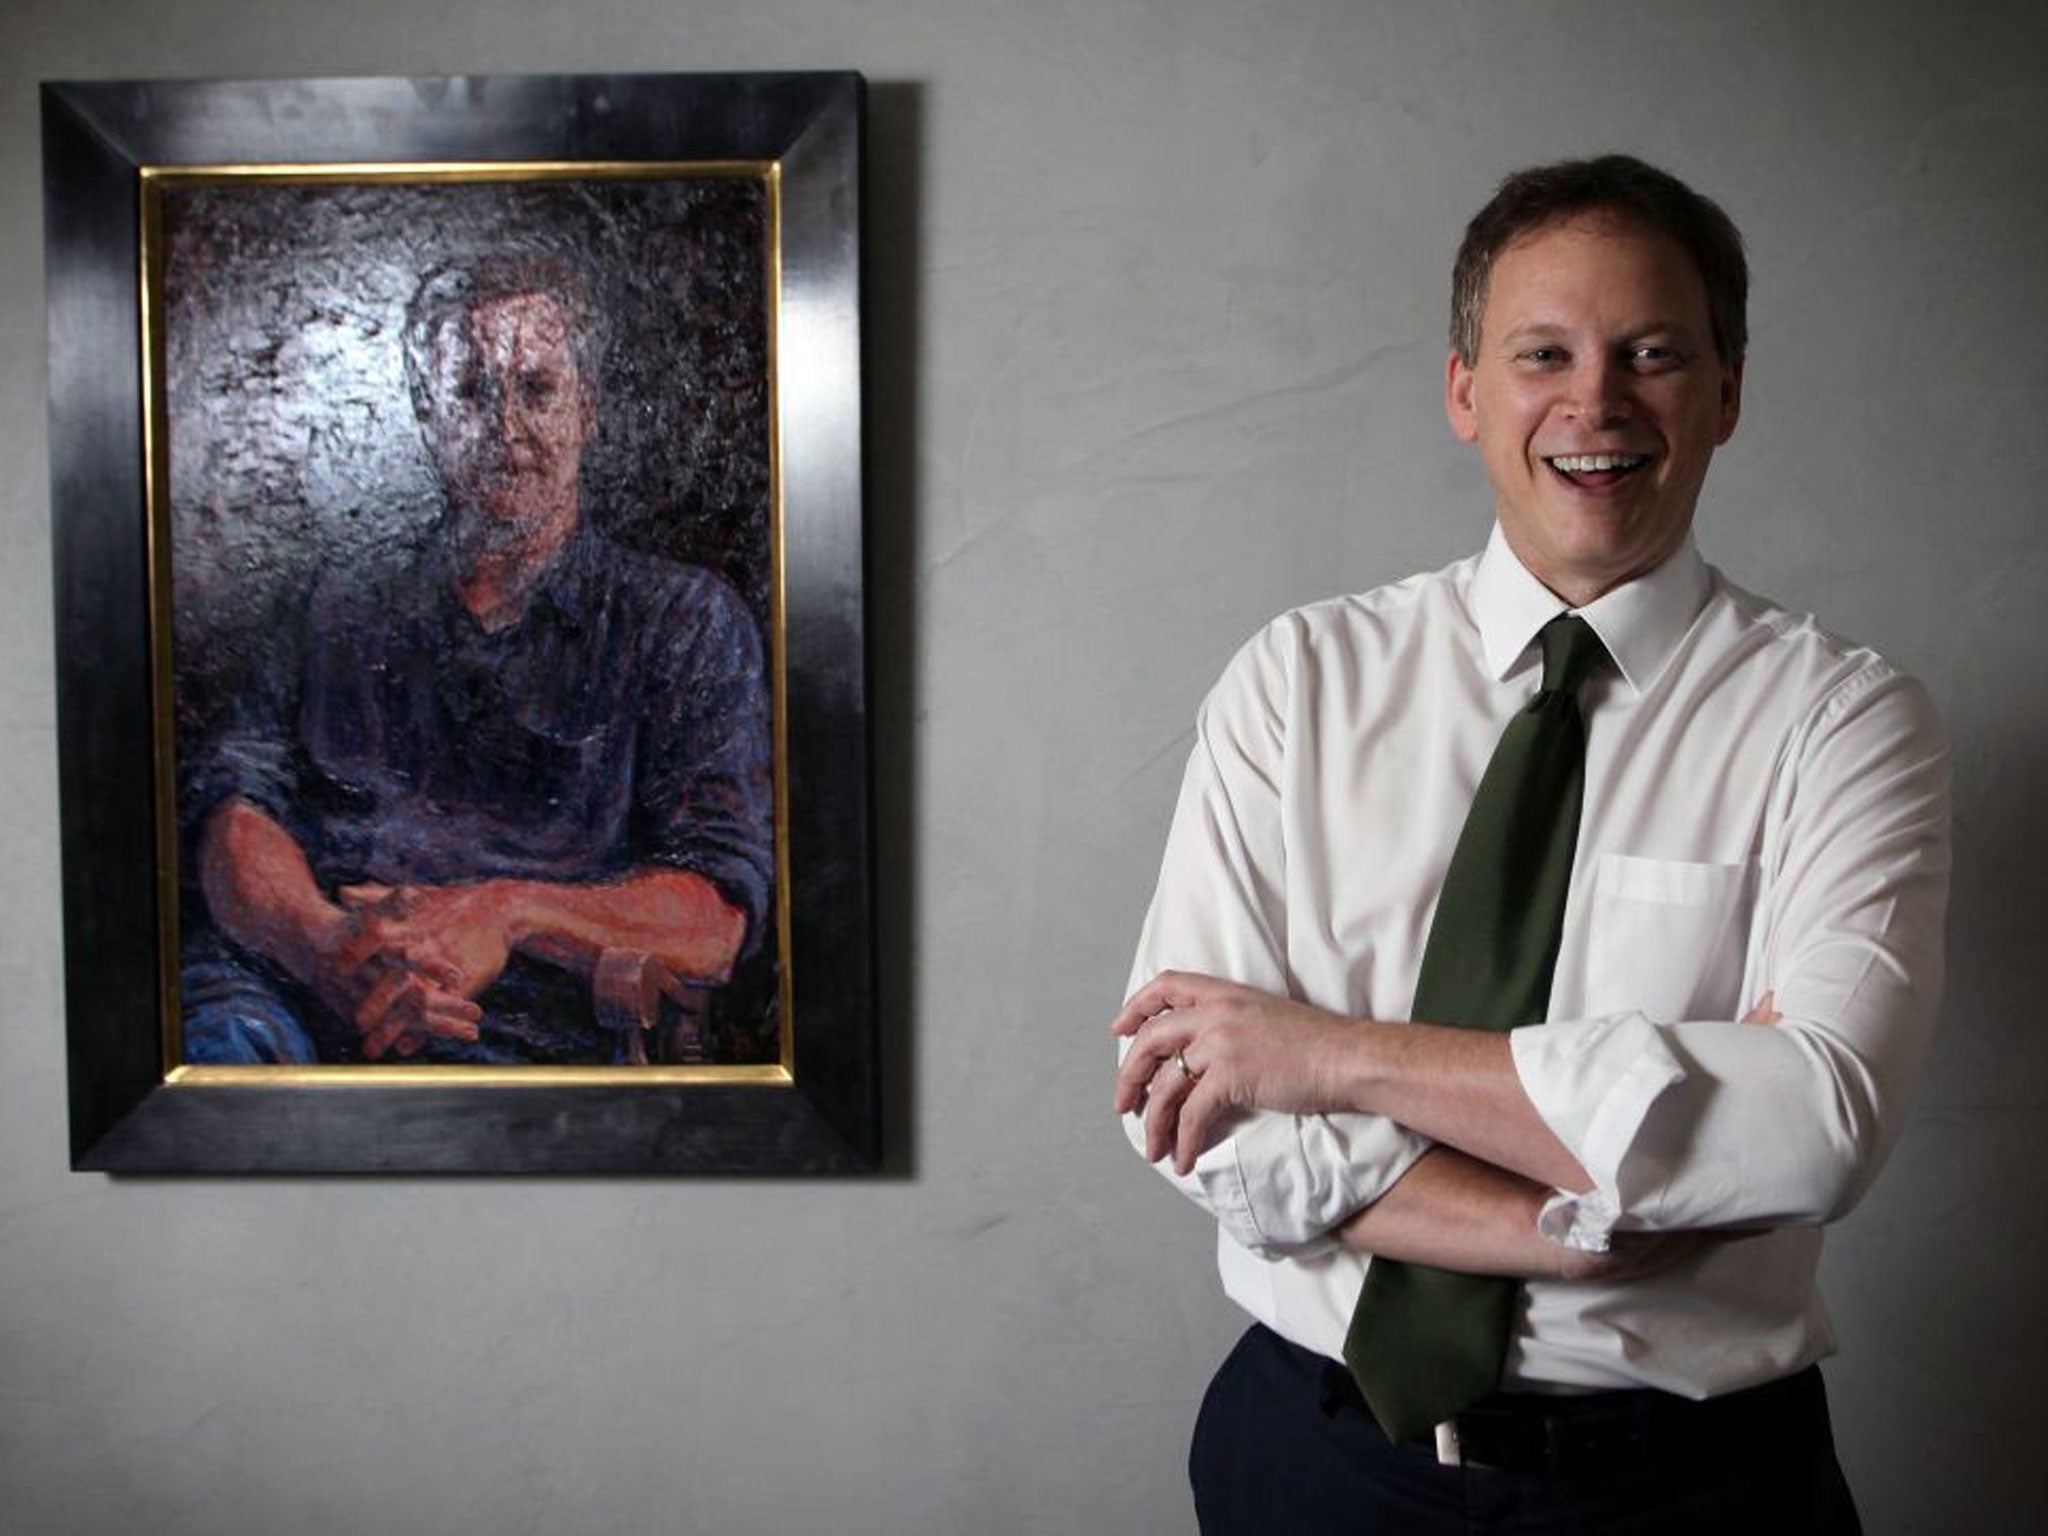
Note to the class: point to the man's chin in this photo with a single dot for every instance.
(479, 531)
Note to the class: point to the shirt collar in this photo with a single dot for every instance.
(566, 585)
(1640, 622)
(563, 588)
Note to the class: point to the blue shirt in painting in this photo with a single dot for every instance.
(620, 722)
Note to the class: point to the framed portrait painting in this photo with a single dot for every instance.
(456, 496)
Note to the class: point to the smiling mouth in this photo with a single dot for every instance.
(1597, 469)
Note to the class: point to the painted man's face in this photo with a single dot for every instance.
(509, 412)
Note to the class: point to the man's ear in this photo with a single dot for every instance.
(1458, 405)
(1731, 401)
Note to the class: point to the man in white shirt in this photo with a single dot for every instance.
(1745, 982)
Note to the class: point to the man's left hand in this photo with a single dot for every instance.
(1202, 1047)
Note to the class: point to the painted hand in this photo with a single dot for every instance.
(458, 937)
(1203, 1050)
(403, 1009)
(392, 1007)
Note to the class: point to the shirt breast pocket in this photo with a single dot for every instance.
(1668, 938)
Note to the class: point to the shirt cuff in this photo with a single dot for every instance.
(1299, 1176)
(1593, 1082)
(1216, 1183)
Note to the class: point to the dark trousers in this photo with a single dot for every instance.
(1285, 1447)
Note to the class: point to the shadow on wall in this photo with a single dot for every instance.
(893, 264)
(1956, 1333)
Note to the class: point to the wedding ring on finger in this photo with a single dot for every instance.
(1180, 1059)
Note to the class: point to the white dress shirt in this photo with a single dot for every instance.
(1765, 812)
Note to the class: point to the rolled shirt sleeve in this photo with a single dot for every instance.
(703, 796)
(249, 754)
(1276, 1183)
(1686, 1124)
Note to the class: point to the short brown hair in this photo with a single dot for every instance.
(1628, 189)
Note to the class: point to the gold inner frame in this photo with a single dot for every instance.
(153, 182)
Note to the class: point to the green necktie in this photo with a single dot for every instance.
(1425, 1342)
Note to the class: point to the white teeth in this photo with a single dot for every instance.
(1584, 463)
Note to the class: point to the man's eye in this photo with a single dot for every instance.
(1542, 357)
(1651, 358)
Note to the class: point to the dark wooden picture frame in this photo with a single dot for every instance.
(111, 149)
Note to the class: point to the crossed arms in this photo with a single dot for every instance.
(1471, 1202)
(405, 964)
(1305, 1127)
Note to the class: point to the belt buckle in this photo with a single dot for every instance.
(1449, 1451)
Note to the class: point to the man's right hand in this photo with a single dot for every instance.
(262, 893)
(392, 1006)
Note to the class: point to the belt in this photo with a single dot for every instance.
(1610, 1431)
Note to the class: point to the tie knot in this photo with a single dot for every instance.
(1570, 650)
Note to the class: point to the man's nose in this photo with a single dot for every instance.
(505, 414)
(1599, 392)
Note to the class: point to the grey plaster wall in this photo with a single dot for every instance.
(1155, 346)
